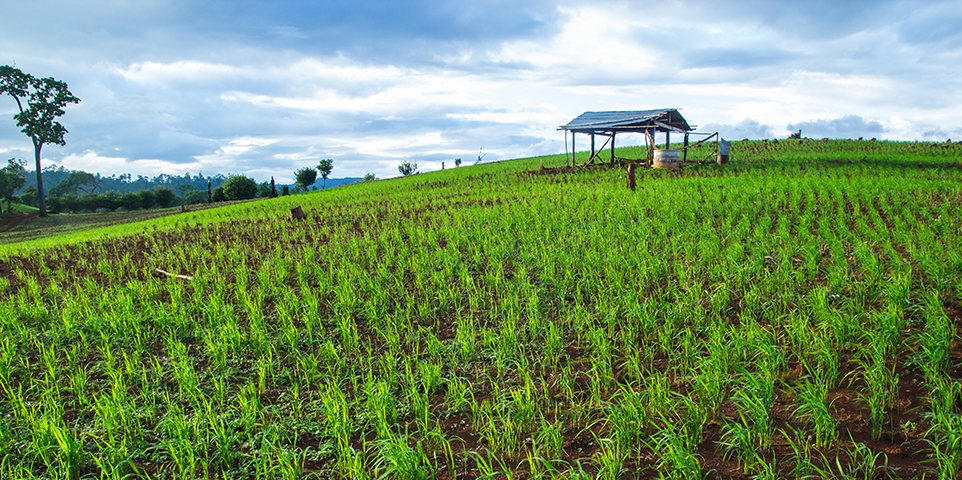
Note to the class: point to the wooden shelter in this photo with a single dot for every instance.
(607, 124)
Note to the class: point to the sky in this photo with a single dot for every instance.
(263, 88)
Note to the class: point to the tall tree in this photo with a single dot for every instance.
(41, 101)
(325, 167)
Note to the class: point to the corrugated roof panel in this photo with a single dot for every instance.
(603, 120)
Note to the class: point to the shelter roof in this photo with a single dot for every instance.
(662, 120)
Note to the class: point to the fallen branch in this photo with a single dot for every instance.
(185, 277)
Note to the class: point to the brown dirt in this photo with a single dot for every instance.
(9, 223)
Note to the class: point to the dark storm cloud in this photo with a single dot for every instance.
(849, 126)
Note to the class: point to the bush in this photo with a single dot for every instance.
(408, 168)
(305, 177)
(130, 201)
(164, 197)
(238, 187)
(109, 200)
(147, 199)
(218, 195)
(30, 196)
(69, 202)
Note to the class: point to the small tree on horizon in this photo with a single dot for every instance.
(240, 187)
(324, 167)
(305, 177)
(408, 168)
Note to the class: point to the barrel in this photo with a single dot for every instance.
(724, 146)
(666, 159)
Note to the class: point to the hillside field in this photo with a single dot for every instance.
(792, 314)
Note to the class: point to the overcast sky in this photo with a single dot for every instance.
(266, 87)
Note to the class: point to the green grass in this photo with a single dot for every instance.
(792, 313)
(62, 228)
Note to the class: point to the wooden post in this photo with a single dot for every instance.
(684, 156)
(591, 159)
(667, 140)
(650, 140)
(631, 176)
(612, 147)
(572, 148)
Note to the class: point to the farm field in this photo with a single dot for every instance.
(792, 314)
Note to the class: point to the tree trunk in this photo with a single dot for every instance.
(43, 201)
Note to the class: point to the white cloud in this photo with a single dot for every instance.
(368, 85)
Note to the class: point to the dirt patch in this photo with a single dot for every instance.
(9, 223)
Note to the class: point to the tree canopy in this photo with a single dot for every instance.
(240, 187)
(11, 179)
(408, 168)
(305, 177)
(40, 101)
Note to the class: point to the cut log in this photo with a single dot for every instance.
(297, 214)
(185, 277)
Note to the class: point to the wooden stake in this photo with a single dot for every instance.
(185, 277)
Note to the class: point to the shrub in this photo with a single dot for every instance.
(408, 168)
(218, 195)
(164, 197)
(239, 187)
(147, 199)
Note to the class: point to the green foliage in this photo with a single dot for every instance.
(30, 196)
(39, 102)
(239, 187)
(369, 177)
(408, 168)
(11, 179)
(164, 197)
(218, 195)
(305, 177)
(539, 324)
(76, 183)
(324, 167)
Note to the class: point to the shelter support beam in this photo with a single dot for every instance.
(684, 155)
(612, 148)
(592, 157)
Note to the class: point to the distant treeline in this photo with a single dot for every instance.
(126, 183)
(79, 191)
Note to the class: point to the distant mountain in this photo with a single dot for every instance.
(337, 182)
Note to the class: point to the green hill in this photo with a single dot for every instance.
(792, 313)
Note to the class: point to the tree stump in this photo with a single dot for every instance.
(631, 176)
(297, 214)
